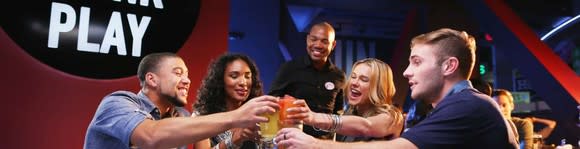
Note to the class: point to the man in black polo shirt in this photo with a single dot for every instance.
(313, 78)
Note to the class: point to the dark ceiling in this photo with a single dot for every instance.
(385, 18)
(359, 18)
(543, 15)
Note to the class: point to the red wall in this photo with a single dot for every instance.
(45, 108)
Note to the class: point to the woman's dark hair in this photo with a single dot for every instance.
(211, 95)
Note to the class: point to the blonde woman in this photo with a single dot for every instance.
(370, 116)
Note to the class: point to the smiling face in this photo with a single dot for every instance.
(359, 85)
(238, 80)
(173, 82)
(424, 73)
(319, 43)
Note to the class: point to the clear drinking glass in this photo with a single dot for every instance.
(268, 131)
(276, 121)
(285, 103)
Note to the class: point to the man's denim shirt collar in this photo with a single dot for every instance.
(148, 106)
(459, 86)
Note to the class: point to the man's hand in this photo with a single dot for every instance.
(293, 138)
(253, 111)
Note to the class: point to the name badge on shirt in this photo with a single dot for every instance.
(329, 85)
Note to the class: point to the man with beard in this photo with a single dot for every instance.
(154, 117)
(313, 78)
(440, 66)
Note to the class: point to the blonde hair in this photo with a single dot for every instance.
(451, 43)
(503, 92)
(382, 89)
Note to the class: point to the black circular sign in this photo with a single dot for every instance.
(99, 39)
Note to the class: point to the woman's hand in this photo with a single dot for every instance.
(301, 112)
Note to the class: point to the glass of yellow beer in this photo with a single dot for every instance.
(277, 121)
(268, 130)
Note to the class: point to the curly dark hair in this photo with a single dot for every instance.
(211, 95)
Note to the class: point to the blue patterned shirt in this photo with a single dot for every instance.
(118, 115)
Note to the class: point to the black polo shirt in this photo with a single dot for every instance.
(322, 89)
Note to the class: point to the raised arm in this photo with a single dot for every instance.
(375, 126)
(550, 125)
(293, 138)
(380, 125)
(173, 132)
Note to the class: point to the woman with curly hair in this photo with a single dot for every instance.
(370, 115)
(231, 80)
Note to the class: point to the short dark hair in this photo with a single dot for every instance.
(150, 63)
(324, 24)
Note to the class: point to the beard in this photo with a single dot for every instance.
(173, 100)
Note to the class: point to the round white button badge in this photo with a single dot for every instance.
(329, 85)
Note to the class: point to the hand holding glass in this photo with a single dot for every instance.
(276, 121)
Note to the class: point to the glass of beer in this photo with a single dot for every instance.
(268, 130)
(276, 121)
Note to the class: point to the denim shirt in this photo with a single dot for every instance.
(118, 115)
(459, 86)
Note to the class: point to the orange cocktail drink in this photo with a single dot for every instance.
(285, 103)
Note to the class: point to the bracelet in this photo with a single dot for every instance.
(339, 125)
(335, 126)
(324, 129)
(335, 123)
(229, 144)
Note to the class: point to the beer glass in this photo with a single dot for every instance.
(268, 131)
(276, 121)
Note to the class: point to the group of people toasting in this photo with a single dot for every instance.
(231, 103)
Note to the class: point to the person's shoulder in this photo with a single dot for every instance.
(119, 100)
(468, 99)
(293, 64)
(470, 95)
(521, 121)
(333, 68)
(123, 93)
(121, 96)
(517, 119)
